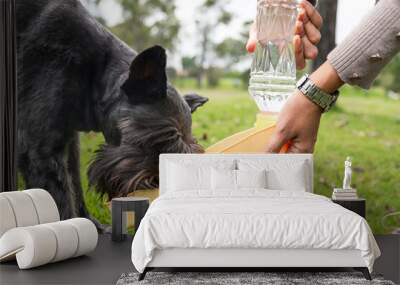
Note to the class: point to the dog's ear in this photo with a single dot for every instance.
(147, 80)
(195, 101)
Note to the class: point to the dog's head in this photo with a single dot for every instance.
(150, 119)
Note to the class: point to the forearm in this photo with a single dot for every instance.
(370, 46)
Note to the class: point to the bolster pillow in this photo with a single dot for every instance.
(37, 245)
(26, 208)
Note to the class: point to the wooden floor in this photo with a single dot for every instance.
(110, 260)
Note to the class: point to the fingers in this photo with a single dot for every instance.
(252, 42)
(307, 28)
(313, 34)
(294, 149)
(299, 29)
(312, 14)
(280, 142)
(297, 147)
(303, 143)
(302, 16)
(299, 52)
(310, 50)
(279, 139)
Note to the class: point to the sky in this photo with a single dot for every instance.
(350, 13)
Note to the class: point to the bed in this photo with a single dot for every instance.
(247, 211)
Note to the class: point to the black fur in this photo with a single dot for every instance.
(75, 76)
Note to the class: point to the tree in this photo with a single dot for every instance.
(146, 23)
(328, 11)
(214, 75)
(211, 14)
(189, 64)
(231, 50)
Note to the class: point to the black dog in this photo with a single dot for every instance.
(75, 76)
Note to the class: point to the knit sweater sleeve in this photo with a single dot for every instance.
(370, 46)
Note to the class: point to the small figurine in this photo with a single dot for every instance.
(347, 192)
(347, 174)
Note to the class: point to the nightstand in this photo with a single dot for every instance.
(119, 208)
(357, 206)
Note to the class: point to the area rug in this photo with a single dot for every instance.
(236, 278)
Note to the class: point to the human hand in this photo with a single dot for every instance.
(297, 125)
(306, 35)
(298, 122)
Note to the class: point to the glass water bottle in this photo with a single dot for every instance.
(273, 71)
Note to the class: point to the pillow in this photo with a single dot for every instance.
(293, 180)
(226, 179)
(193, 174)
(281, 174)
(251, 178)
(223, 179)
(182, 177)
(46, 243)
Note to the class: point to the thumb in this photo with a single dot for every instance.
(252, 42)
(251, 45)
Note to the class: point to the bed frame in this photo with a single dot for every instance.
(242, 259)
(246, 259)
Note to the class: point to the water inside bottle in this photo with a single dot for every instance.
(273, 72)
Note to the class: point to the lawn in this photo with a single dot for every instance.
(364, 125)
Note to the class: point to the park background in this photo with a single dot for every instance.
(205, 40)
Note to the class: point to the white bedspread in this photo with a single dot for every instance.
(250, 219)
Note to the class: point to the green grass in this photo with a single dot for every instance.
(364, 126)
(96, 205)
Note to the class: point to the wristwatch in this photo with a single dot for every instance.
(316, 95)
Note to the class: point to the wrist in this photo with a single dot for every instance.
(326, 78)
(307, 103)
(315, 94)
